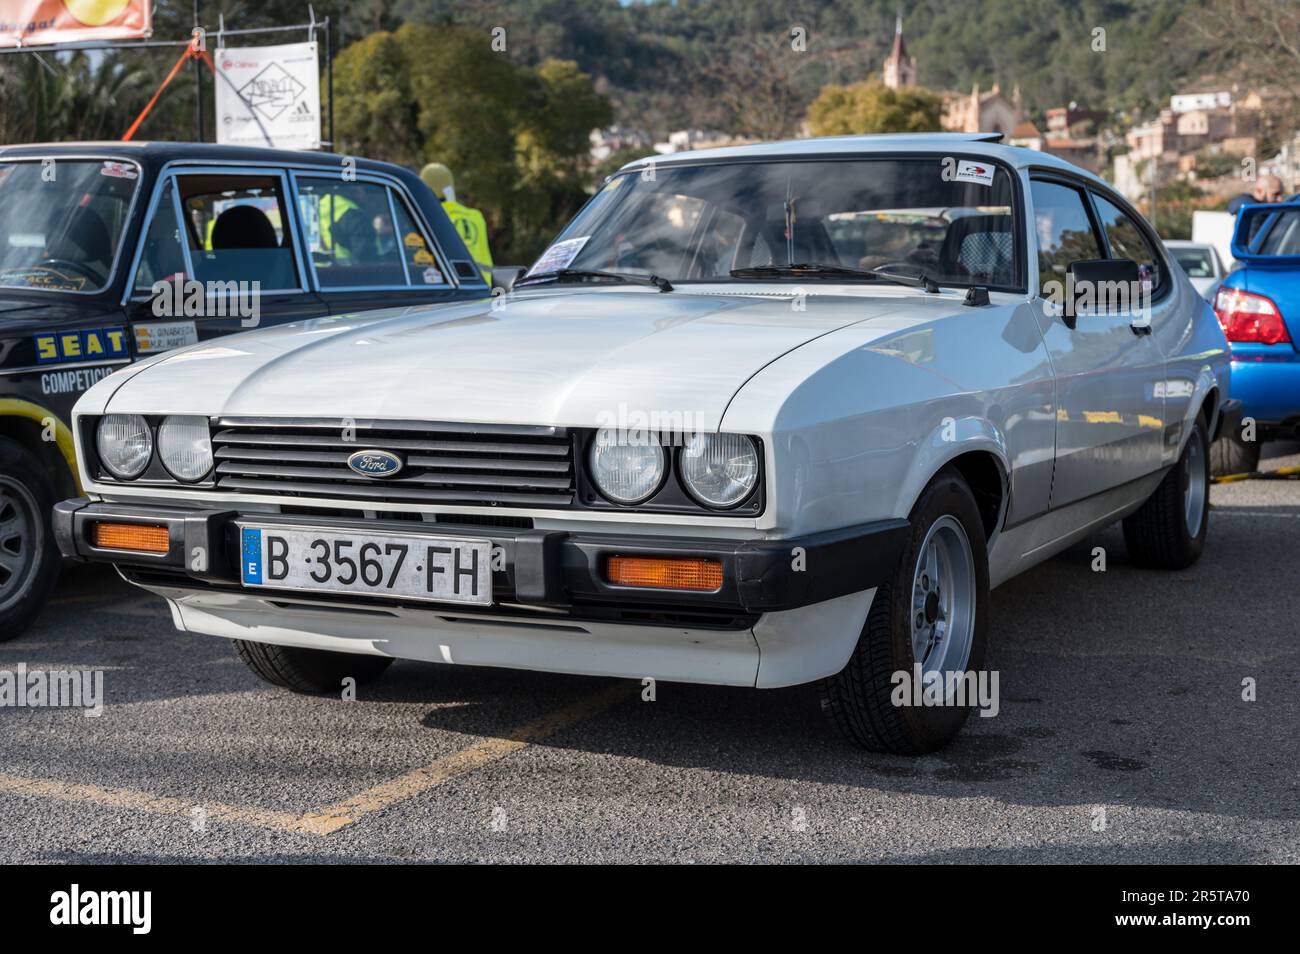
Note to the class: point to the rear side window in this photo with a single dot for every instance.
(237, 227)
(361, 235)
(1127, 241)
(1064, 229)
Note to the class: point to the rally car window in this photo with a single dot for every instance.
(1126, 240)
(360, 235)
(422, 264)
(952, 219)
(63, 222)
(162, 257)
(1064, 229)
(1281, 234)
(237, 228)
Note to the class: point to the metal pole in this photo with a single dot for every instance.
(329, 76)
(198, 84)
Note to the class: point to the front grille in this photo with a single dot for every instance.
(492, 465)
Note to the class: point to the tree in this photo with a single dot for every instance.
(374, 113)
(872, 107)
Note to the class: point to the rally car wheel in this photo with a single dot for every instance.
(29, 560)
(1231, 455)
(1168, 533)
(933, 614)
(309, 670)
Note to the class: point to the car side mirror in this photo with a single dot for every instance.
(503, 276)
(1096, 286)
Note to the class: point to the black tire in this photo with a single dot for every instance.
(857, 700)
(1231, 455)
(29, 557)
(1159, 535)
(309, 670)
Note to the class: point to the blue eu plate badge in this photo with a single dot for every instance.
(250, 553)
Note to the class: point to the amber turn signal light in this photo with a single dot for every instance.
(664, 573)
(142, 538)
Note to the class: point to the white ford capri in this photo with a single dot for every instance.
(760, 416)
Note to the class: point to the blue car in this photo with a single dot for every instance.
(1258, 306)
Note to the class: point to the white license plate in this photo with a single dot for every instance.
(438, 569)
(154, 336)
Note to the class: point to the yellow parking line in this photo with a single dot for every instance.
(344, 813)
(126, 799)
(330, 820)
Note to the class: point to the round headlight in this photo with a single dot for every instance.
(125, 444)
(627, 472)
(719, 470)
(185, 448)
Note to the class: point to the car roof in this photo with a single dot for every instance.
(1183, 243)
(969, 144)
(157, 154)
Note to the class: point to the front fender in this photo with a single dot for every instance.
(948, 440)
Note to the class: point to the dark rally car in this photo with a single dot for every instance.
(89, 230)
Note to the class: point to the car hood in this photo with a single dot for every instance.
(574, 358)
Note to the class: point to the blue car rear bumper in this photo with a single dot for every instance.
(1266, 379)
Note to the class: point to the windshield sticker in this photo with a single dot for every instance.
(117, 170)
(413, 240)
(559, 255)
(422, 257)
(432, 276)
(88, 344)
(979, 172)
(41, 276)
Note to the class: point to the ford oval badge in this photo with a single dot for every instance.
(375, 463)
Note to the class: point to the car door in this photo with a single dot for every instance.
(1109, 409)
(219, 253)
(367, 244)
(1170, 319)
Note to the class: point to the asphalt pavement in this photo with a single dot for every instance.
(1122, 736)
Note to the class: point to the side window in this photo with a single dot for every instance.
(1127, 241)
(361, 235)
(421, 264)
(237, 227)
(161, 256)
(1065, 232)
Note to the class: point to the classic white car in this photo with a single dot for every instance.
(760, 416)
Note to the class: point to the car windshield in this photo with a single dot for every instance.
(1196, 262)
(948, 218)
(62, 221)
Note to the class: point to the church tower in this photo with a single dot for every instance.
(900, 69)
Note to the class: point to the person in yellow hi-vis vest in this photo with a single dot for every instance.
(469, 222)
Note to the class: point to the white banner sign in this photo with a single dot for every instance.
(269, 96)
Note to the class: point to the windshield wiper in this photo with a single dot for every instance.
(923, 280)
(797, 270)
(831, 271)
(582, 273)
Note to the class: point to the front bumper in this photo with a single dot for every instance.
(546, 569)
